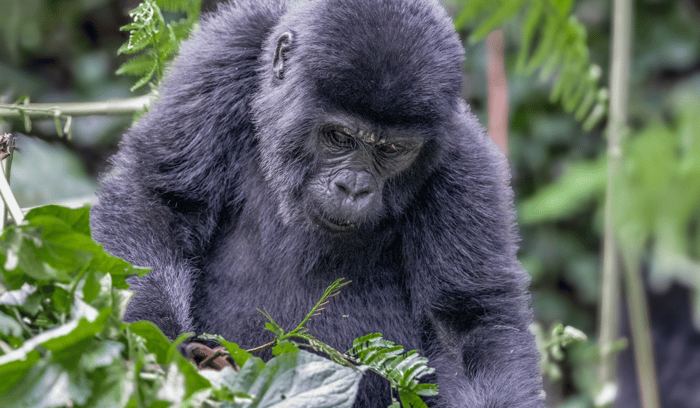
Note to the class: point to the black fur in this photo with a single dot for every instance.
(208, 190)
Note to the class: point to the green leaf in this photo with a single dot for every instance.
(138, 65)
(12, 371)
(410, 399)
(77, 219)
(43, 386)
(9, 326)
(144, 80)
(504, 12)
(156, 342)
(298, 379)
(529, 25)
(101, 354)
(138, 40)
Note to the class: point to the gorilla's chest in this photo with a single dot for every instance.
(244, 276)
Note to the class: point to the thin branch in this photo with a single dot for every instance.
(497, 89)
(51, 110)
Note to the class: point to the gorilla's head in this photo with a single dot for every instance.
(353, 104)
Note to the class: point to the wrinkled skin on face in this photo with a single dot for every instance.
(355, 162)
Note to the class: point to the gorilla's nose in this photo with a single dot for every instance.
(356, 193)
(354, 185)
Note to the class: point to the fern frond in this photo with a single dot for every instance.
(332, 290)
(403, 370)
(552, 41)
(154, 40)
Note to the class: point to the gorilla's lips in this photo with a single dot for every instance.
(331, 223)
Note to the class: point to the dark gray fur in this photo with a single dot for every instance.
(207, 186)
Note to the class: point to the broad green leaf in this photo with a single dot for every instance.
(156, 342)
(298, 379)
(78, 219)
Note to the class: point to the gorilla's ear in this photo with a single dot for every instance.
(284, 43)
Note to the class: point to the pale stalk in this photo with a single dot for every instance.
(610, 291)
(50, 110)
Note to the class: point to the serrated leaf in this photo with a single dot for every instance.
(587, 102)
(144, 80)
(138, 40)
(138, 65)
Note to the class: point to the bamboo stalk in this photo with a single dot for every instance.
(50, 110)
(610, 292)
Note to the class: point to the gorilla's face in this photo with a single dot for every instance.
(354, 162)
(351, 122)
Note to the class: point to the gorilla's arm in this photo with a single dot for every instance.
(136, 225)
(469, 290)
(183, 162)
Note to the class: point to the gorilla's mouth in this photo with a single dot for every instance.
(332, 224)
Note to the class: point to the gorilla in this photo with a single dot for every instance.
(297, 142)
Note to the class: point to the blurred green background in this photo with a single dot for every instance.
(65, 50)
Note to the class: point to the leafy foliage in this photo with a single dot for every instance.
(551, 346)
(155, 40)
(553, 41)
(658, 196)
(63, 343)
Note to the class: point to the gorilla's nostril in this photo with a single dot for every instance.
(361, 193)
(343, 187)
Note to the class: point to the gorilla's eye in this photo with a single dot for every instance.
(342, 140)
(391, 149)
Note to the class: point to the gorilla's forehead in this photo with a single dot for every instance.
(392, 61)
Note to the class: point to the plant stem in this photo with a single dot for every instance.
(641, 334)
(610, 291)
(48, 110)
